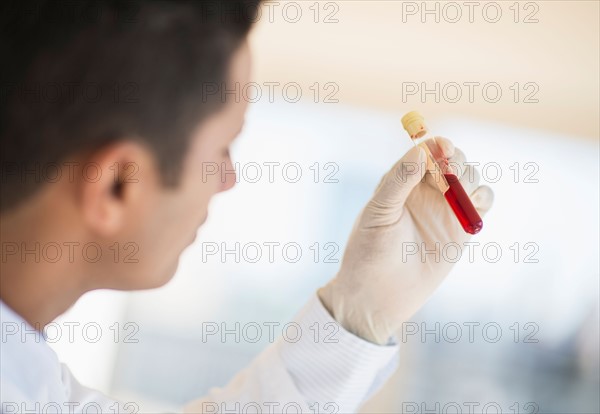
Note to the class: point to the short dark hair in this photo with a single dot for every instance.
(79, 74)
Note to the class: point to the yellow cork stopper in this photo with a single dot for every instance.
(414, 123)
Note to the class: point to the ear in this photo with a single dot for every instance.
(116, 181)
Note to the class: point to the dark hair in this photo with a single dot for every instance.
(77, 75)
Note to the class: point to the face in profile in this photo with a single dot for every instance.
(159, 152)
(169, 217)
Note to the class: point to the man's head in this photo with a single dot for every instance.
(112, 124)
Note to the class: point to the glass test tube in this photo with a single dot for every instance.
(447, 182)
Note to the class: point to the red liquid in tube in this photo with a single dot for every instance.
(454, 192)
(461, 204)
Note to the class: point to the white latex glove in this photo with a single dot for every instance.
(376, 288)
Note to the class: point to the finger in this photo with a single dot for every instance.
(482, 198)
(470, 178)
(395, 187)
(457, 162)
(446, 146)
(445, 149)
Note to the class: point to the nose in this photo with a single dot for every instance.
(229, 176)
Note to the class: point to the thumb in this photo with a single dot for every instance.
(395, 187)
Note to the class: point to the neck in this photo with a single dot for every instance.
(32, 283)
(37, 299)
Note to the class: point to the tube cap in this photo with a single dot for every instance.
(414, 123)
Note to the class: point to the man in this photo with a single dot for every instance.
(125, 164)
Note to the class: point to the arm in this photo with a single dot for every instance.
(379, 286)
(328, 370)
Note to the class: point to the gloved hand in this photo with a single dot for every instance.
(382, 282)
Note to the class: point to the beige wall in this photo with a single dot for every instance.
(370, 52)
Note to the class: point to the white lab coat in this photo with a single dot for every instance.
(320, 372)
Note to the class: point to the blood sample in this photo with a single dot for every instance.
(461, 205)
(445, 179)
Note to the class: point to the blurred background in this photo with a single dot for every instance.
(514, 328)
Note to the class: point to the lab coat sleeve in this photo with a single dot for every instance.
(322, 369)
(81, 399)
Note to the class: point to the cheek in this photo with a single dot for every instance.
(197, 195)
(201, 184)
